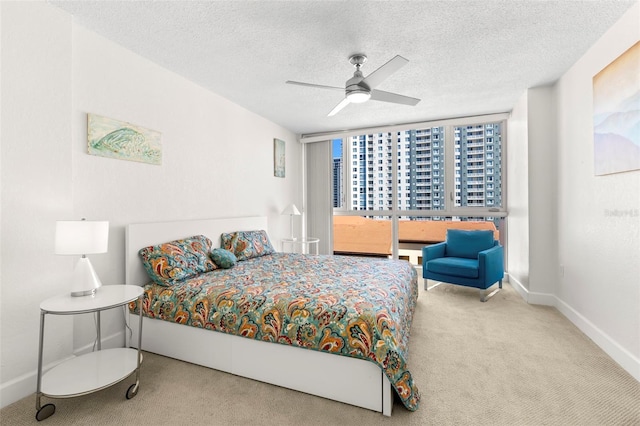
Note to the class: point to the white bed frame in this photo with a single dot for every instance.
(349, 380)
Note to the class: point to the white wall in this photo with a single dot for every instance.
(532, 196)
(582, 258)
(518, 194)
(600, 251)
(543, 251)
(36, 172)
(217, 162)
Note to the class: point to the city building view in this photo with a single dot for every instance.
(363, 169)
(438, 169)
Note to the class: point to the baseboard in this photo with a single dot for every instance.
(529, 296)
(25, 385)
(624, 358)
(619, 354)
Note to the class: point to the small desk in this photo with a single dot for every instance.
(305, 244)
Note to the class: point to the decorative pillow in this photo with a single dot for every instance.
(177, 260)
(247, 244)
(463, 243)
(223, 258)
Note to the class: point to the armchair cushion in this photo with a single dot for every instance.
(456, 266)
(467, 244)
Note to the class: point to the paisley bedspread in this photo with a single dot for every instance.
(351, 306)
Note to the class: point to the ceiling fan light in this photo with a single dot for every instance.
(358, 97)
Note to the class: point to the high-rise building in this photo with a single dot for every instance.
(478, 165)
(368, 163)
(338, 182)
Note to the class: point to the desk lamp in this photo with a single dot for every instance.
(292, 211)
(82, 237)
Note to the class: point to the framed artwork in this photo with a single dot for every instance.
(111, 138)
(616, 115)
(278, 158)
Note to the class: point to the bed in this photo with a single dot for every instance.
(280, 350)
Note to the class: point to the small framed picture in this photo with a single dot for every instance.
(111, 138)
(278, 158)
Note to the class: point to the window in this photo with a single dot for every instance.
(465, 162)
(480, 149)
(433, 172)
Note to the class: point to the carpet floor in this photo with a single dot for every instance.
(503, 362)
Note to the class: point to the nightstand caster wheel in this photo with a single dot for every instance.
(45, 412)
(132, 391)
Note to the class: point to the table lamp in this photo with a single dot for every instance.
(292, 211)
(82, 237)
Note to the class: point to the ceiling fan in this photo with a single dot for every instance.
(360, 89)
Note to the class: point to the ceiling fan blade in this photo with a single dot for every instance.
(381, 74)
(319, 86)
(343, 103)
(380, 95)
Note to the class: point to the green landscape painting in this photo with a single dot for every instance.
(111, 138)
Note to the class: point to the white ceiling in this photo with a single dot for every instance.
(466, 57)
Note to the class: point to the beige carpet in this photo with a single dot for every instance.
(502, 362)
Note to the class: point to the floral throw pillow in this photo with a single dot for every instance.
(247, 244)
(223, 258)
(171, 262)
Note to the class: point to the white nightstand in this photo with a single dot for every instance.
(305, 244)
(95, 370)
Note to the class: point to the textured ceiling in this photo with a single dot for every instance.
(466, 57)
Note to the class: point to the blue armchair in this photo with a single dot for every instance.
(469, 258)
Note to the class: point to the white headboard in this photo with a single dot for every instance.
(139, 235)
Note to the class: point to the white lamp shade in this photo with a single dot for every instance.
(74, 237)
(292, 210)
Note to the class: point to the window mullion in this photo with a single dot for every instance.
(450, 178)
(394, 194)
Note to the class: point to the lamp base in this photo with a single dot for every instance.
(85, 281)
(292, 237)
(84, 293)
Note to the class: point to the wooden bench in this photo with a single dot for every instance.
(370, 237)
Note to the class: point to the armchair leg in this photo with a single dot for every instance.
(427, 288)
(484, 296)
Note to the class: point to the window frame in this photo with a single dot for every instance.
(396, 143)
